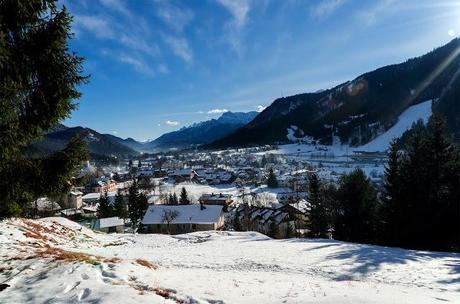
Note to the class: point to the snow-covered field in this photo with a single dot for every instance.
(39, 263)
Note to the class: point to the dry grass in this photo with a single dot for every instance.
(145, 263)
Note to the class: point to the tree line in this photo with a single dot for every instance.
(417, 207)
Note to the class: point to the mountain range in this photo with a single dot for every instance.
(108, 145)
(357, 111)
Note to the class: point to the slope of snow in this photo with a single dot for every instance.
(212, 267)
(405, 121)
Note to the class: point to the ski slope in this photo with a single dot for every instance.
(405, 121)
(54, 260)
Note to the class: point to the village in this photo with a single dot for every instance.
(251, 189)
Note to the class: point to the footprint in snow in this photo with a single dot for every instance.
(84, 276)
(71, 287)
(83, 294)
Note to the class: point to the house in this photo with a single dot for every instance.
(184, 175)
(45, 207)
(177, 219)
(73, 200)
(101, 185)
(109, 225)
(216, 199)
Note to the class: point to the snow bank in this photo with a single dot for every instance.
(212, 267)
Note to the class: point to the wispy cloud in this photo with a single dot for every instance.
(96, 25)
(138, 64)
(163, 69)
(217, 111)
(172, 123)
(117, 6)
(325, 8)
(175, 17)
(180, 47)
(239, 10)
(369, 16)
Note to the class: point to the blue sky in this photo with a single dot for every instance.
(157, 66)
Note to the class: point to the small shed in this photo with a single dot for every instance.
(109, 225)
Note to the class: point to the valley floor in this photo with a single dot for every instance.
(54, 260)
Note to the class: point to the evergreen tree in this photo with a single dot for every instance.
(39, 77)
(104, 209)
(137, 205)
(318, 219)
(390, 215)
(356, 209)
(272, 182)
(237, 223)
(119, 206)
(184, 197)
(175, 200)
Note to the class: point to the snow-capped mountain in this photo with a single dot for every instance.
(202, 132)
(357, 111)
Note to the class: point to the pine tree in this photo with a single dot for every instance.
(104, 208)
(390, 213)
(237, 223)
(318, 219)
(356, 209)
(175, 200)
(39, 80)
(137, 205)
(272, 182)
(119, 206)
(184, 197)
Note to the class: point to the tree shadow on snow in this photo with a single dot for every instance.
(367, 259)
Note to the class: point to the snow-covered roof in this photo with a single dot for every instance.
(97, 195)
(109, 222)
(187, 214)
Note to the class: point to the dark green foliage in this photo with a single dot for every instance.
(119, 206)
(39, 77)
(421, 202)
(137, 205)
(272, 182)
(184, 197)
(356, 208)
(104, 208)
(318, 218)
(237, 223)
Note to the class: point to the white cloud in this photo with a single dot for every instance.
(177, 18)
(451, 32)
(172, 123)
(180, 47)
(239, 9)
(217, 111)
(114, 132)
(116, 5)
(96, 25)
(260, 108)
(369, 16)
(163, 69)
(137, 64)
(325, 8)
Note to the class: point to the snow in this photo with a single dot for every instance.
(186, 214)
(405, 121)
(109, 222)
(214, 267)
